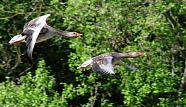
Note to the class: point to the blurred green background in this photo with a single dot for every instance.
(156, 27)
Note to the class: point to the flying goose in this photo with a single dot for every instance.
(104, 63)
(37, 31)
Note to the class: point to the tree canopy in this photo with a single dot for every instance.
(154, 26)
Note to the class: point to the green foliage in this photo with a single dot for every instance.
(155, 27)
(30, 90)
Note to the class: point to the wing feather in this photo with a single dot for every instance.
(85, 64)
(34, 27)
(31, 40)
(103, 65)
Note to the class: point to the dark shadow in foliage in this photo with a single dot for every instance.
(57, 57)
(182, 20)
(116, 97)
(153, 98)
(79, 100)
(2, 76)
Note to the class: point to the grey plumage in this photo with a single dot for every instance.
(37, 31)
(104, 63)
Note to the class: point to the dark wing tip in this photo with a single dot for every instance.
(29, 52)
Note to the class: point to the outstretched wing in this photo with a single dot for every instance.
(103, 65)
(85, 64)
(32, 30)
(31, 40)
(25, 26)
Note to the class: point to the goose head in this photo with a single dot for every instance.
(141, 53)
(17, 39)
(73, 34)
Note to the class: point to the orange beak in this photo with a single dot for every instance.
(78, 35)
(141, 53)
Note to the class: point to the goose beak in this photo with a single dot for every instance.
(78, 35)
(141, 53)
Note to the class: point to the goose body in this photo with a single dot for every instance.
(37, 31)
(104, 63)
